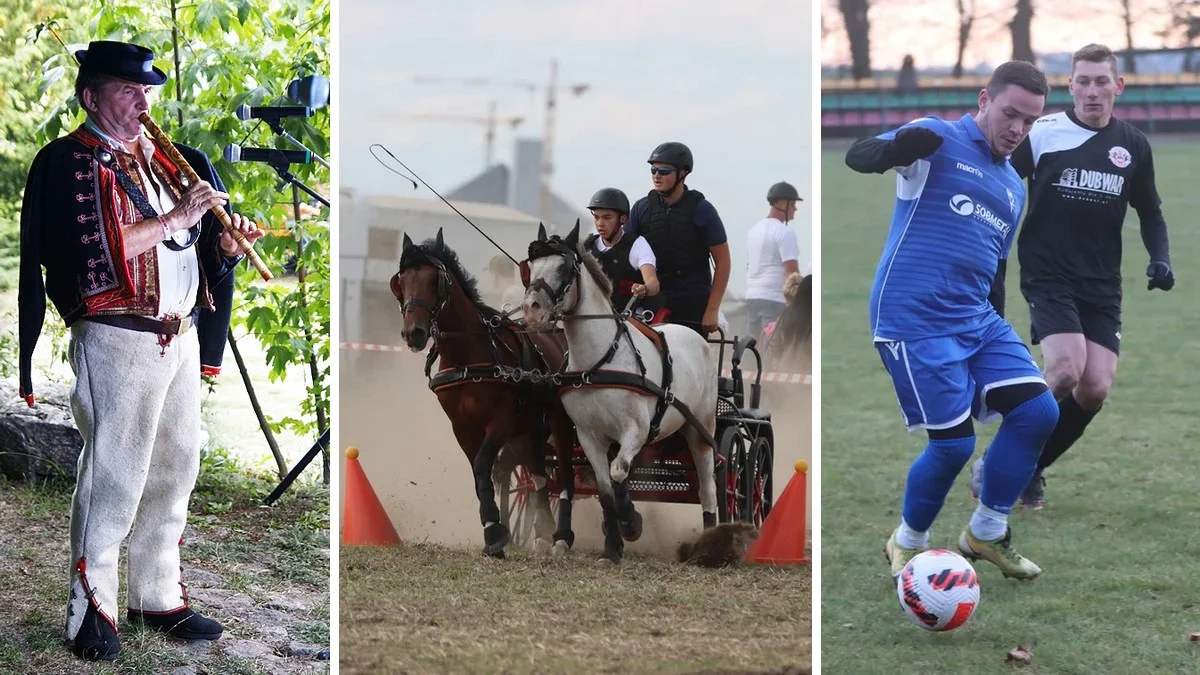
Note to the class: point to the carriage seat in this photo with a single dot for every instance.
(755, 414)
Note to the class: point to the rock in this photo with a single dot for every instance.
(292, 602)
(302, 650)
(230, 602)
(196, 578)
(40, 442)
(249, 649)
(201, 647)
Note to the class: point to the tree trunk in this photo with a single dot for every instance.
(858, 30)
(1130, 61)
(1022, 41)
(966, 18)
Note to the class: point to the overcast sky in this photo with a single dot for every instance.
(730, 79)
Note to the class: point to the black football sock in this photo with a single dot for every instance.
(1072, 420)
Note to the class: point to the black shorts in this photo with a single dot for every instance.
(1055, 310)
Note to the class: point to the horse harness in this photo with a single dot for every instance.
(595, 376)
(489, 372)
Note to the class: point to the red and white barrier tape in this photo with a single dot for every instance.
(747, 375)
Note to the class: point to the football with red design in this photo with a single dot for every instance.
(938, 590)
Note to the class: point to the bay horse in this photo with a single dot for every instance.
(488, 385)
(620, 386)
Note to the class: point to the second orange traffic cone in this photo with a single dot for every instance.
(364, 520)
(783, 536)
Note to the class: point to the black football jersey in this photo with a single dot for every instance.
(1081, 182)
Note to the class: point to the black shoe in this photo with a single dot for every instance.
(97, 639)
(184, 624)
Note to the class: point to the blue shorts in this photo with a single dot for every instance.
(942, 381)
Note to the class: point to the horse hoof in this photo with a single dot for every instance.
(631, 530)
(541, 546)
(495, 537)
(606, 559)
(561, 549)
(494, 555)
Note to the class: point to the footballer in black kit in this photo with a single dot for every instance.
(1085, 169)
(1069, 247)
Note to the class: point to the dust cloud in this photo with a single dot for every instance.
(423, 478)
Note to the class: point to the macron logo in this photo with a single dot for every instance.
(963, 206)
(969, 169)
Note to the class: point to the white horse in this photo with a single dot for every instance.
(613, 404)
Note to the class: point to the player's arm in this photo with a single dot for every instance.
(641, 256)
(1143, 196)
(789, 253)
(893, 149)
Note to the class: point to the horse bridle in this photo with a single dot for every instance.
(545, 249)
(443, 292)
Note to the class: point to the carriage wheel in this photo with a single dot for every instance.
(515, 511)
(730, 496)
(757, 481)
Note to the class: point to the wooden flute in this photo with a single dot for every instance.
(165, 143)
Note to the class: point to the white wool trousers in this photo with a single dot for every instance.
(138, 410)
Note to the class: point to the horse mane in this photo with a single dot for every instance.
(794, 326)
(428, 250)
(593, 267)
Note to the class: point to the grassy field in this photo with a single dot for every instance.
(452, 610)
(1118, 540)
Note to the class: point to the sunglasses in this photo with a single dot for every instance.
(662, 170)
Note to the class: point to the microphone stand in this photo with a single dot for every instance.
(280, 163)
(277, 126)
(317, 447)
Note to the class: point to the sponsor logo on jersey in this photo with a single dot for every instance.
(1094, 181)
(1119, 156)
(962, 166)
(965, 206)
(1012, 202)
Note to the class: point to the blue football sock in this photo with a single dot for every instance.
(1013, 454)
(931, 477)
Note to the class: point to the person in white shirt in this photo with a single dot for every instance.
(627, 260)
(774, 252)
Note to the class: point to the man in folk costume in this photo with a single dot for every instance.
(134, 260)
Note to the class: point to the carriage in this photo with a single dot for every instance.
(664, 471)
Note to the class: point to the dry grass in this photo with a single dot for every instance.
(426, 608)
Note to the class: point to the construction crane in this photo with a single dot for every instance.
(551, 109)
(488, 122)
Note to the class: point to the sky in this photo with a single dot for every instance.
(1057, 27)
(731, 79)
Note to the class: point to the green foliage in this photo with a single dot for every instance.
(218, 55)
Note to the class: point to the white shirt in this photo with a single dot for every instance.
(512, 298)
(771, 245)
(639, 254)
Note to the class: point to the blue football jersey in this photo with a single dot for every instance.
(955, 217)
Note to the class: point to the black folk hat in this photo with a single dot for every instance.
(122, 60)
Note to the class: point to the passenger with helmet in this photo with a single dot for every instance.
(774, 256)
(685, 233)
(627, 260)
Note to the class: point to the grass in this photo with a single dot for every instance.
(265, 553)
(1117, 540)
(425, 608)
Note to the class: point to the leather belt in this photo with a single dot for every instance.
(145, 324)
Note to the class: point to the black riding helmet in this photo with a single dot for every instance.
(783, 190)
(675, 154)
(610, 198)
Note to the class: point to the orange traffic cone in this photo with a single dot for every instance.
(364, 522)
(783, 536)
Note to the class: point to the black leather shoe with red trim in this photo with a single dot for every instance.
(184, 624)
(97, 639)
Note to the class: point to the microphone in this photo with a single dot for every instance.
(274, 112)
(235, 153)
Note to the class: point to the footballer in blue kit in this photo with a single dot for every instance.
(950, 354)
